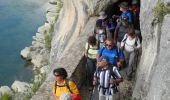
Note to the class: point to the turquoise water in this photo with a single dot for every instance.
(19, 20)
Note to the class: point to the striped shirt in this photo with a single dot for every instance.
(104, 76)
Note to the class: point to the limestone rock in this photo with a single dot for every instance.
(25, 53)
(44, 69)
(5, 89)
(21, 87)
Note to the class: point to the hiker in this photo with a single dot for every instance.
(130, 44)
(110, 26)
(135, 8)
(62, 84)
(102, 17)
(112, 52)
(91, 49)
(124, 8)
(100, 34)
(121, 30)
(107, 77)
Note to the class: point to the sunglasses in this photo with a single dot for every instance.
(109, 45)
(57, 75)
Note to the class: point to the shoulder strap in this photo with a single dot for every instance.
(55, 87)
(111, 72)
(126, 36)
(102, 51)
(67, 85)
(88, 47)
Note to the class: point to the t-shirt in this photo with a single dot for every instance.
(111, 54)
(104, 76)
(92, 51)
(128, 14)
(129, 44)
(64, 89)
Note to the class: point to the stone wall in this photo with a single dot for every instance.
(152, 78)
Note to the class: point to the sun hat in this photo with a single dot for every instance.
(102, 15)
(123, 5)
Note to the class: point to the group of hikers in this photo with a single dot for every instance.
(112, 47)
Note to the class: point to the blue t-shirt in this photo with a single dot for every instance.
(111, 54)
(128, 14)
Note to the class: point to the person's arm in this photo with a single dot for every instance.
(99, 54)
(138, 43)
(116, 32)
(53, 91)
(129, 15)
(86, 50)
(73, 88)
(117, 75)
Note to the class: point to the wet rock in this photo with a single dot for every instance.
(25, 53)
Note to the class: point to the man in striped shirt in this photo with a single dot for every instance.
(107, 77)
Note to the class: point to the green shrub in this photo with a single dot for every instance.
(6, 96)
(160, 10)
(48, 38)
(36, 85)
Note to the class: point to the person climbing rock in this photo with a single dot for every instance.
(62, 84)
(121, 30)
(124, 8)
(112, 52)
(107, 77)
(130, 44)
(91, 49)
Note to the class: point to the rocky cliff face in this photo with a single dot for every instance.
(153, 72)
(75, 24)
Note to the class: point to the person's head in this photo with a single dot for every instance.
(131, 31)
(60, 74)
(92, 40)
(102, 15)
(123, 6)
(109, 43)
(103, 62)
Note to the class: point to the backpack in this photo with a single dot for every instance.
(114, 87)
(74, 96)
(67, 85)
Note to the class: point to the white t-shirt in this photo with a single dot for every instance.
(129, 44)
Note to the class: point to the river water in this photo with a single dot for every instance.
(19, 20)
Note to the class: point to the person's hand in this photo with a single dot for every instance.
(95, 81)
(114, 16)
(112, 81)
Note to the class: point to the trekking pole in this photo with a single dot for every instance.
(92, 94)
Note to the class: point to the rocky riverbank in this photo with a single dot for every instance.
(38, 54)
